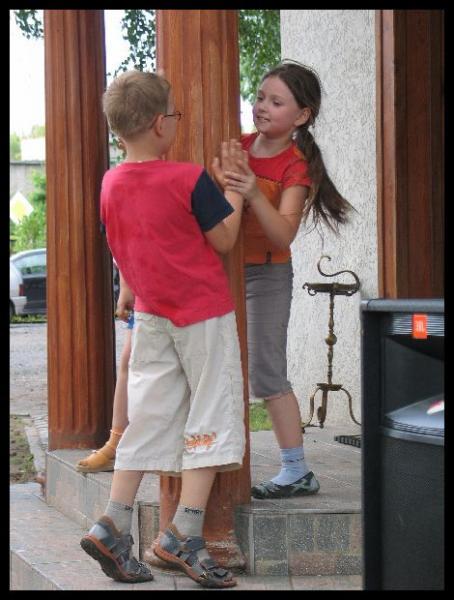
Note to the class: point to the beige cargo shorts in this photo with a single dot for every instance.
(185, 397)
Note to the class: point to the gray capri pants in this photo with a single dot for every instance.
(268, 299)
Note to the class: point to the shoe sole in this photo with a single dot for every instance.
(96, 470)
(108, 562)
(259, 496)
(174, 560)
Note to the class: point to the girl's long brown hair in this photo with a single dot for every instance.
(325, 201)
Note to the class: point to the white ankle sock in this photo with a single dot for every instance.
(293, 466)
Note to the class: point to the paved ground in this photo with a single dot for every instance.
(28, 367)
(337, 466)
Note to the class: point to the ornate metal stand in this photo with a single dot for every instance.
(333, 289)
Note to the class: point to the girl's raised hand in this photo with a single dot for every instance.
(241, 178)
(231, 157)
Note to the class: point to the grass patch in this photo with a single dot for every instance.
(21, 466)
(29, 319)
(259, 419)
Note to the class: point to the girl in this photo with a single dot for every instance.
(283, 183)
(104, 458)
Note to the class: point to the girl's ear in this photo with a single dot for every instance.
(304, 117)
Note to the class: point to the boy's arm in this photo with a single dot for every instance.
(224, 235)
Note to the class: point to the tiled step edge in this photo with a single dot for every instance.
(274, 542)
(46, 556)
(45, 553)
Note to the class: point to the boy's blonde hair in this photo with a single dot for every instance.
(132, 101)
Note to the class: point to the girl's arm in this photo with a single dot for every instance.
(280, 226)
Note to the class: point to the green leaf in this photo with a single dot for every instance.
(259, 42)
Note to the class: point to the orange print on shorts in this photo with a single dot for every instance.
(200, 441)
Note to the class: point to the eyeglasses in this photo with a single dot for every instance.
(176, 114)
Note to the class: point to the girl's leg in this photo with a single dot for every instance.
(103, 459)
(295, 477)
(286, 419)
(120, 404)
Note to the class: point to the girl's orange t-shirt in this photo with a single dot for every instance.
(274, 174)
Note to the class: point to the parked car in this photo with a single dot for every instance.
(31, 265)
(17, 297)
(32, 271)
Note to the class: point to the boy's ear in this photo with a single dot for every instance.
(304, 117)
(156, 124)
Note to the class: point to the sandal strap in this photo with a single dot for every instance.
(212, 566)
(187, 549)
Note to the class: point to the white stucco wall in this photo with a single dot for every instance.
(340, 46)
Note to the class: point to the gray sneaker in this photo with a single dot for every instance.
(303, 487)
(113, 551)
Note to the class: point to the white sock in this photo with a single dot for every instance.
(293, 466)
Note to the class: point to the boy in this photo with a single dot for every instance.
(165, 222)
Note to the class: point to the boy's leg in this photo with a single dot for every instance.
(182, 543)
(189, 517)
(214, 440)
(109, 541)
(103, 459)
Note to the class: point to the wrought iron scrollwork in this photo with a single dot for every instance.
(333, 289)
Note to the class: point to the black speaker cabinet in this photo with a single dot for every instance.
(403, 444)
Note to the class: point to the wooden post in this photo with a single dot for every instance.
(198, 50)
(81, 359)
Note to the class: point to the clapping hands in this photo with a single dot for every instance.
(233, 158)
(233, 172)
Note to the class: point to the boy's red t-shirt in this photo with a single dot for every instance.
(158, 243)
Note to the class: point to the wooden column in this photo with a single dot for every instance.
(81, 363)
(198, 49)
(410, 153)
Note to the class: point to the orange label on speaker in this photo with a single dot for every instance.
(419, 330)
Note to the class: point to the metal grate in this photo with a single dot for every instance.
(351, 440)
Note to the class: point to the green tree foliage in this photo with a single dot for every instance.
(37, 131)
(30, 23)
(260, 47)
(31, 231)
(139, 29)
(259, 41)
(14, 147)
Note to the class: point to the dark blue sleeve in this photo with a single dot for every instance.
(102, 227)
(208, 204)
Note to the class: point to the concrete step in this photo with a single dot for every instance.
(46, 555)
(312, 536)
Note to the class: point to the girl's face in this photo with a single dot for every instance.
(275, 111)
